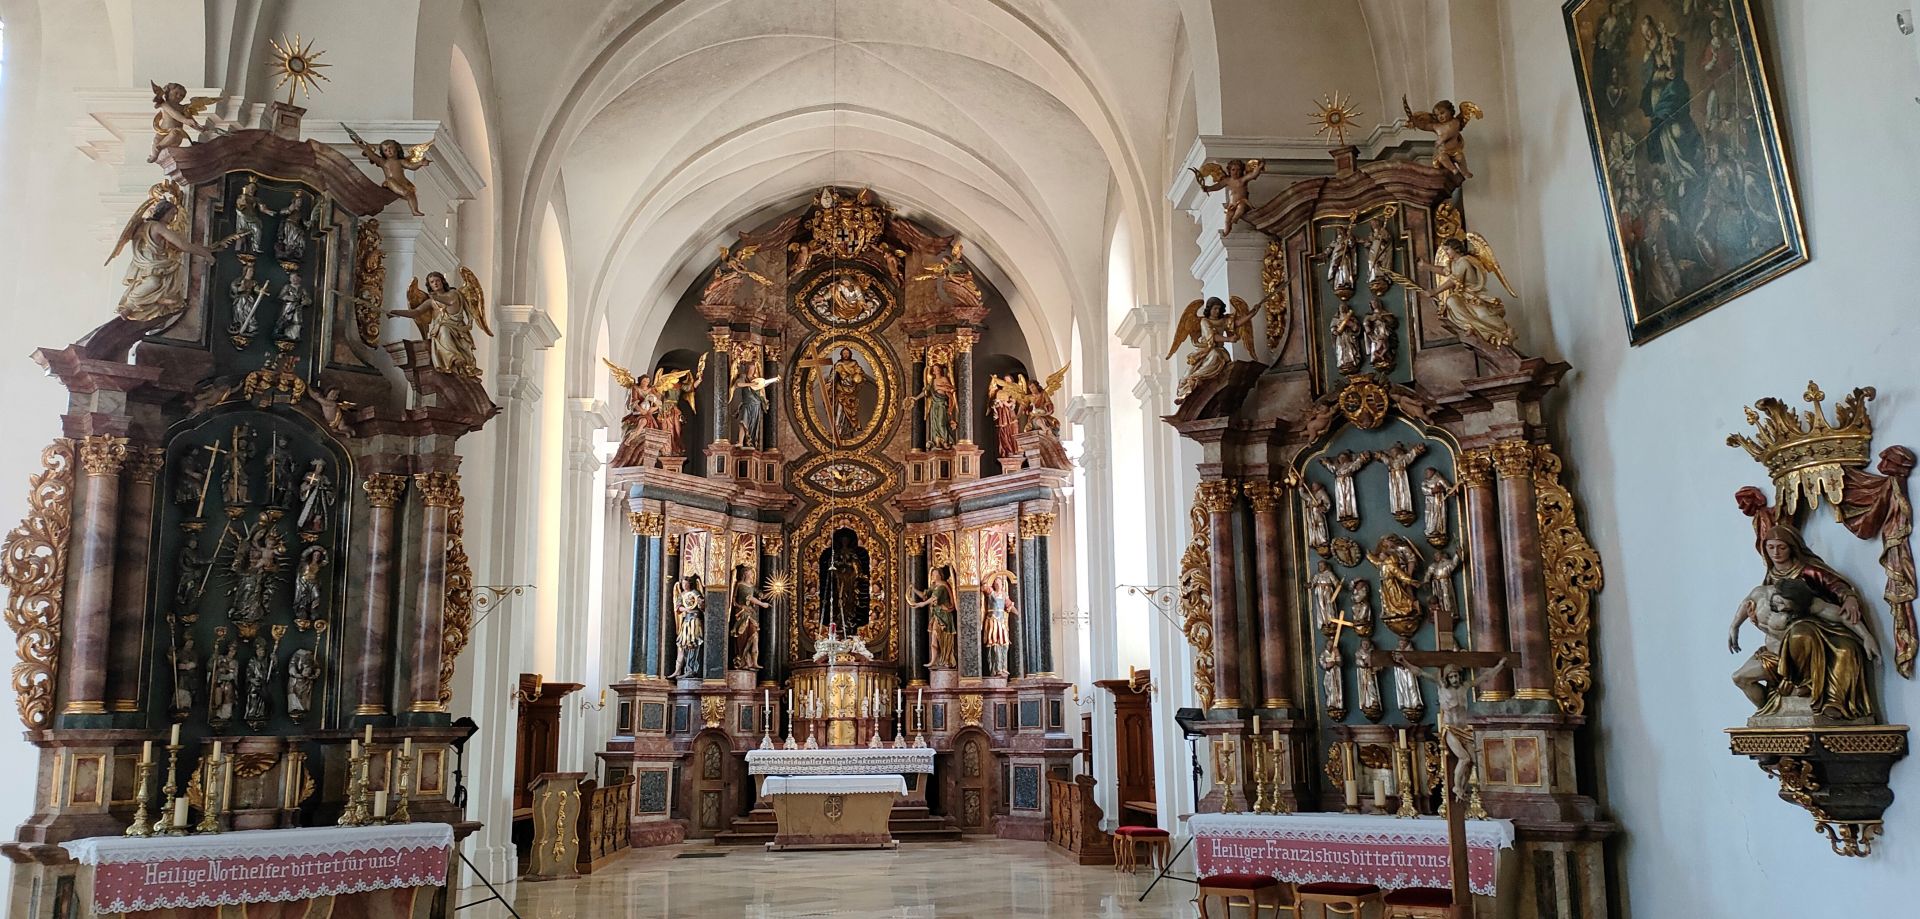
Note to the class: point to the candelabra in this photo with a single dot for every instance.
(920, 724)
(404, 768)
(356, 813)
(1224, 767)
(212, 788)
(766, 727)
(141, 773)
(165, 825)
(1260, 802)
(1404, 753)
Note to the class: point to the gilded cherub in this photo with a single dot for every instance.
(1211, 326)
(1235, 178)
(394, 162)
(1460, 269)
(1448, 126)
(174, 115)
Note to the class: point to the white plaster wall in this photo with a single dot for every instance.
(1704, 833)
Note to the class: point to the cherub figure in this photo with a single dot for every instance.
(174, 115)
(1235, 178)
(394, 162)
(1211, 326)
(1448, 126)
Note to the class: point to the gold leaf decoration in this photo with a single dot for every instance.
(33, 566)
(457, 625)
(1196, 597)
(369, 279)
(1573, 574)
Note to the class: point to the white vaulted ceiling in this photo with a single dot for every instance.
(666, 126)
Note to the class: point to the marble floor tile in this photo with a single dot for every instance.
(985, 878)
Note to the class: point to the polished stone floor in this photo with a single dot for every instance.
(984, 878)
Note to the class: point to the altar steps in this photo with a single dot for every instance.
(908, 824)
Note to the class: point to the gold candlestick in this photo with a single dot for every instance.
(1262, 804)
(164, 826)
(1227, 779)
(210, 806)
(1404, 781)
(404, 792)
(1277, 800)
(354, 813)
(141, 773)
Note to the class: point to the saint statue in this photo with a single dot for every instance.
(996, 633)
(942, 622)
(1333, 682)
(1398, 458)
(290, 243)
(1434, 491)
(1406, 688)
(193, 568)
(243, 300)
(1325, 587)
(306, 586)
(1380, 251)
(1440, 586)
(186, 660)
(223, 679)
(843, 573)
(689, 615)
(1341, 254)
(1818, 646)
(294, 300)
(938, 393)
(1367, 682)
(259, 671)
(1346, 500)
(1361, 616)
(303, 671)
(280, 478)
(744, 620)
(1316, 504)
(446, 317)
(750, 405)
(1383, 342)
(316, 498)
(1347, 332)
(844, 381)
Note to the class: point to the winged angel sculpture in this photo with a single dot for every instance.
(394, 162)
(175, 116)
(653, 404)
(1460, 269)
(730, 274)
(1448, 126)
(446, 316)
(1211, 326)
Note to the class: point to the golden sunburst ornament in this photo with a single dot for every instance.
(297, 66)
(1332, 117)
(777, 586)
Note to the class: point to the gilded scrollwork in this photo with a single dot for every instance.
(457, 627)
(1196, 594)
(369, 279)
(1573, 574)
(646, 523)
(33, 566)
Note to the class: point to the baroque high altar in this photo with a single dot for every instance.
(842, 492)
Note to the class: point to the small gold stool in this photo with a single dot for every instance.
(1256, 889)
(1128, 839)
(1338, 898)
(1419, 903)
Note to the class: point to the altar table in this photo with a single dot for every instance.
(833, 811)
(332, 871)
(842, 761)
(1387, 852)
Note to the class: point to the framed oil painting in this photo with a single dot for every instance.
(1687, 148)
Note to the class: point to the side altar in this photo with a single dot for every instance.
(842, 475)
(241, 586)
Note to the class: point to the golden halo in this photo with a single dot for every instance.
(297, 66)
(1332, 117)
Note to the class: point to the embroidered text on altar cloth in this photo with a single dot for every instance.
(215, 871)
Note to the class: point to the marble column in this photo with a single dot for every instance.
(1275, 580)
(83, 671)
(913, 630)
(1526, 586)
(376, 618)
(719, 381)
(130, 574)
(1217, 499)
(1480, 516)
(1036, 621)
(649, 565)
(963, 339)
(438, 491)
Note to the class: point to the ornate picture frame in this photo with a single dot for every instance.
(1688, 150)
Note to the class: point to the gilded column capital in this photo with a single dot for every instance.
(773, 544)
(1216, 495)
(722, 340)
(145, 463)
(438, 489)
(1264, 495)
(1036, 525)
(646, 523)
(102, 454)
(963, 339)
(1476, 468)
(1513, 459)
(383, 490)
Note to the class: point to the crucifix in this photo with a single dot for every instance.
(1457, 743)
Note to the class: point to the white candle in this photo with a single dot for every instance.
(406, 747)
(1256, 725)
(1379, 792)
(369, 736)
(146, 752)
(216, 751)
(180, 813)
(898, 699)
(353, 748)
(789, 701)
(1403, 737)
(176, 735)
(921, 699)
(766, 699)
(380, 804)
(1353, 793)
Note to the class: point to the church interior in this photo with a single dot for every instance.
(958, 458)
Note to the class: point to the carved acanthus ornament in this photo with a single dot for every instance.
(438, 489)
(457, 625)
(103, 454)
(384, 490)
(713, 711)
(1033, 526)
(33, 566)
(1273, 295)
(146, 463)
(1196, 594)
(1476, 468)
(1216, 495)
(1572, 570)
(369, 279)
(1512, 459)
(646, 523)
(963, 339)
(972, 708)
(1264, 495)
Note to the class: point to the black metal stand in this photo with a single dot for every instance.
(1193, 753)
(493, 893)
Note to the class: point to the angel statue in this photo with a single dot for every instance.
(446, 317)
(1447, 125)
(1004, 397)
(1460, 274)
(675, 387)
(750, 407)
(939, 394)
(394, 162)
(1235, 178)
(174, 115)
(157, 277)
(643, 412)
(951, 276)
(728, 275)
(1038, 408)
(1211, 326)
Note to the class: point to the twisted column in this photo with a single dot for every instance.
(97, 526)
(1276, 674)
(1526, 586)
(1217, 499)
(376, 617)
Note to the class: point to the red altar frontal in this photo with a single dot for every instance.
(399, 871)
(1388, 852)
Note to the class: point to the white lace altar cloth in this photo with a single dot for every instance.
(259, 866)
(847, 761)
(1387, 852)
(832, 785)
